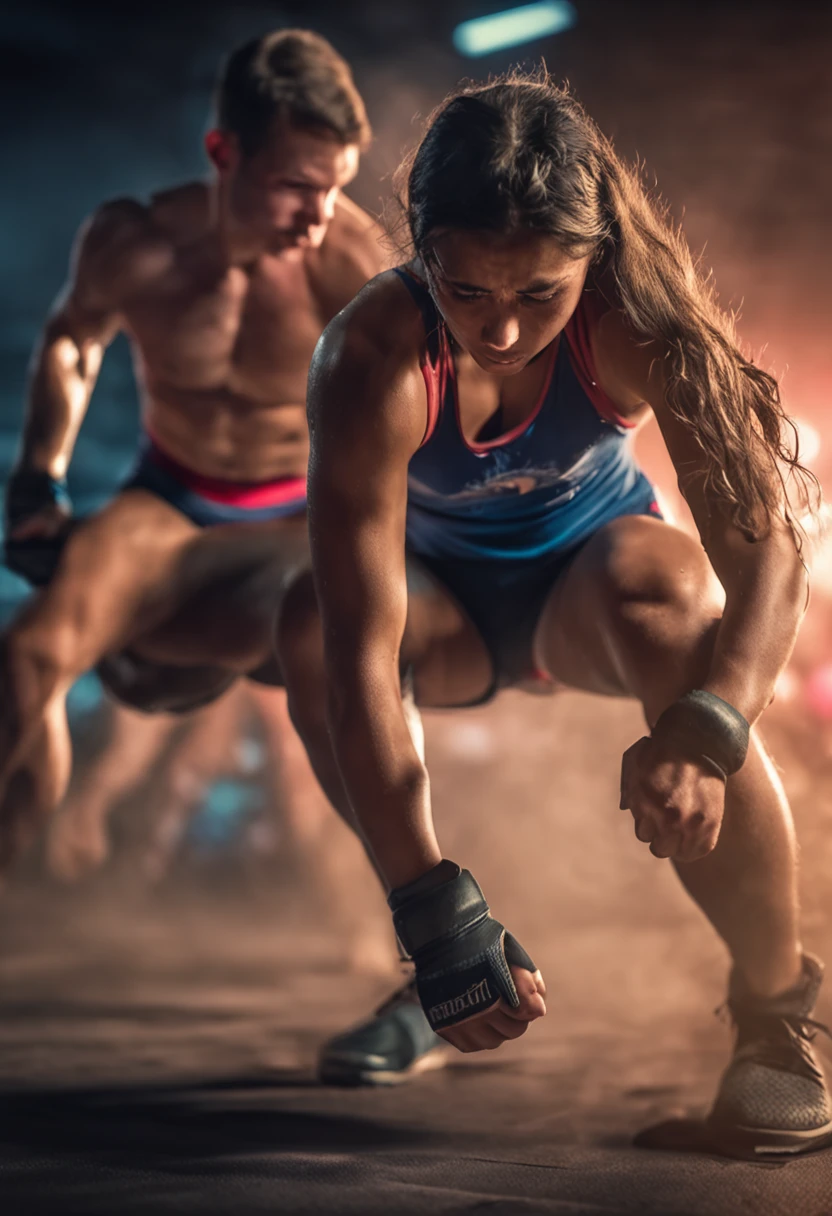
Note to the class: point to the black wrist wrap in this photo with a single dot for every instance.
(28, 491)
(704, 727)
(460, 952)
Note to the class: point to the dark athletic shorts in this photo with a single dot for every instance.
(504, 600)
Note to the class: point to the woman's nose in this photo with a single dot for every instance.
(501, 333)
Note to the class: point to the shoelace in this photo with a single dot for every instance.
(760, 1035)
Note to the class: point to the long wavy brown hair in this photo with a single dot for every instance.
(521, 153)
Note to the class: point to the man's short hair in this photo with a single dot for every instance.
(292, 74)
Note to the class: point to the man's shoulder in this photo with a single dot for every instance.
(130, 239)
(171, 217)
(182, 213)
(356, 237)
(116, 223)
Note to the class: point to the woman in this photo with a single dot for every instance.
(477, 517)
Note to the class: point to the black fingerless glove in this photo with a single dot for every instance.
(29, 490)
(701, 726)
(461, 954)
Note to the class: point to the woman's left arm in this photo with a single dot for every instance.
(674, 781)
(765, 581)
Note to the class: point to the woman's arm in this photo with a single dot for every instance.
(765, 581)
(367, 413)
(674, 781)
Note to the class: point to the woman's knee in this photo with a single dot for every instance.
(660, 602)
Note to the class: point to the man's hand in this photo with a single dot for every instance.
(38, 518)
(677, 803)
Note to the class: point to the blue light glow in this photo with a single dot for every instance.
(515, 25)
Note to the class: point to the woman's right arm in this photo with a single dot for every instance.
(367, 416)
(367, 411)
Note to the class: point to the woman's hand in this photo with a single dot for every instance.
(677, 804)
(491, 1028)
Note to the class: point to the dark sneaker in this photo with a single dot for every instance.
(773, 1099)
(396, 1045)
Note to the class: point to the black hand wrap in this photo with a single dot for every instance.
(461, 953)
(28, 491)
(704, 727)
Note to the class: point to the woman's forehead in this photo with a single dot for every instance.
(503, 258)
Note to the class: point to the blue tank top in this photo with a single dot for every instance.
(538, 490)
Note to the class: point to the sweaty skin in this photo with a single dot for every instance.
(223, 290)
(221, 332)
(505, 300)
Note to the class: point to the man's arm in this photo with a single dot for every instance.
(82, 323)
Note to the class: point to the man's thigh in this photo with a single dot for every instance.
(116, 573)
(229, 583)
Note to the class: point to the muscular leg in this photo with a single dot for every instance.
(636, 615)
(330, 859)
(137, 574)
(77, 841)
(37, 785)
(115, 569)
(201, 754)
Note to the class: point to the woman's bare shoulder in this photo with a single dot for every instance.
(382, 321)
(367, 363)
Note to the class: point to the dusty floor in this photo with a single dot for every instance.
(157, 1050)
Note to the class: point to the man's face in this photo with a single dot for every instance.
(284, 194)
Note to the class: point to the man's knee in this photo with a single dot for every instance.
(35, 662)
(299, 645)
(298, 637)
(154, 688)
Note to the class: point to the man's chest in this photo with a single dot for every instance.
(250, 333)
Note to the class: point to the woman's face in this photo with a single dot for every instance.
(504, 298)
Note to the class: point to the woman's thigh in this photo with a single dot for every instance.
(450, 662)
(633, 590)
(441, 650)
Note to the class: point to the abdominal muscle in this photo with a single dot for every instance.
(221, 434)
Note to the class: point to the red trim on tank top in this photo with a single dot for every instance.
(435, 379)
(591, 307)
(516, 431)
(250, 495)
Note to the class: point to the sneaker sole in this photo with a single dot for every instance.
(753, 1143)
(335, 1072)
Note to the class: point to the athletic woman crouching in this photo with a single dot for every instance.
(478, 518)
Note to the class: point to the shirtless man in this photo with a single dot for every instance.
(223, 290)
